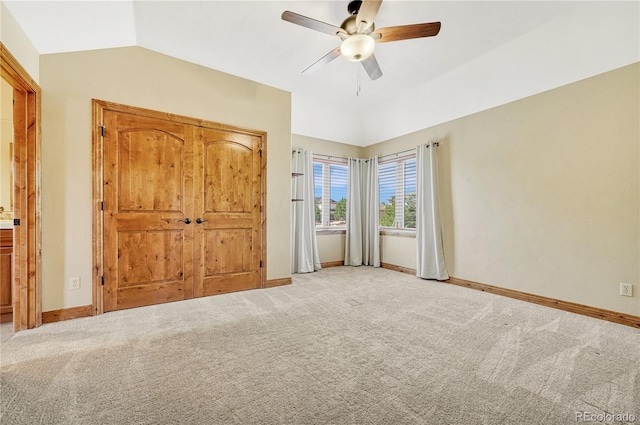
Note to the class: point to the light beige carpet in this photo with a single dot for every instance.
(341, 346)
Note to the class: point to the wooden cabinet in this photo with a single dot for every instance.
(6, 257)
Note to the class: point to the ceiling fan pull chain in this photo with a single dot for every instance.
(358, 87)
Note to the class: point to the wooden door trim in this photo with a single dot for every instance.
(97, 172)
(27, 282)
(98, 108)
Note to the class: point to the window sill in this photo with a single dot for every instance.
(403, 233)
(330, 231)
(385, 231)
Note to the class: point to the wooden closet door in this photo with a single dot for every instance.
(227, 184)
(148, 196)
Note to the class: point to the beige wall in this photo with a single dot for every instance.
(18, 44)
(398, 250)
(142, 78)
(326, 147)
(542, 195)
(331, 247)
(6, 139)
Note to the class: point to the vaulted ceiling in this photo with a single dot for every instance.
(486, 54)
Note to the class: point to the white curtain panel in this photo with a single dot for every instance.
(362, 244)
(430, 262)
(354, 239)
(304, 254)
(371, 231)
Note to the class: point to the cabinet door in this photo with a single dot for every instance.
(6, 264)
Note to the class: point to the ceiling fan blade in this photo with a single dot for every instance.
(370, 65)
(313, 24)
(405, 32)
(323, 61)
(367, 14)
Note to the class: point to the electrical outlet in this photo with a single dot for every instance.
(74, 283)
(626, 289)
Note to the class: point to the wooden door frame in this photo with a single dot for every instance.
(27, 262)
(98, 108)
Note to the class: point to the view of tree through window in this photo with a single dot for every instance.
(397, 181)
(317, 191)
(387, 179)
(330, 193)
(397, 190)
(410, 194)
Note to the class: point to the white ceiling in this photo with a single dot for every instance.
(487, 53)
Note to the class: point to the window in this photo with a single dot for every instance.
(330, 192)
(397, 180)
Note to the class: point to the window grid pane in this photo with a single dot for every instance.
(317, 192)
(387, 191)
(410, 194)
(400, 195)
(397, 181)
(330, 193)
(338, 195)
(326, 191)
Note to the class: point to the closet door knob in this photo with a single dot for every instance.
(186, 220)
(199, 220)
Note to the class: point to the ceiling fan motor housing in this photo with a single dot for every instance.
(351, 26)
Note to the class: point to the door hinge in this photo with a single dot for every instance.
(102, 130)
(260, 150)
(103, 280)
(102, 205)
(260, 263)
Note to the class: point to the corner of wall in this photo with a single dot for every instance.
(18, 44)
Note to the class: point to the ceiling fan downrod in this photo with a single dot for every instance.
(354, 7)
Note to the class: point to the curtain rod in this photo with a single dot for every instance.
(330, 156)
(320, 154)
(396, 154)
(380, 157)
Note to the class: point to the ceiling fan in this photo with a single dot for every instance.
(359, 36)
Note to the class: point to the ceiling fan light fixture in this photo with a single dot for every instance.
(359, 35)
(357, 47)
